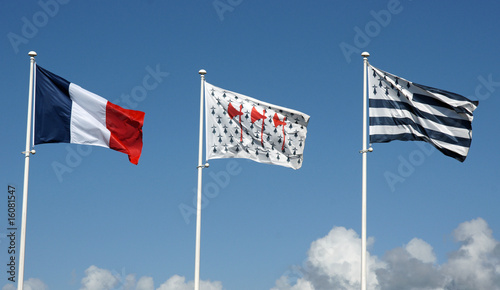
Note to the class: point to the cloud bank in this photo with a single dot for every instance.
(333, 262)
(30, 284)
(102, 279)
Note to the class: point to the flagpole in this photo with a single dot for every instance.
(27, 153)
(365, 56)
(198, 204)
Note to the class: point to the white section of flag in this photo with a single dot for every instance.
(88, 118)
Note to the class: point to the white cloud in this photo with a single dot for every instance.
(177, 282)
(476, 265)
(421, 250)
(35, 284)
(99, 279)
(336, 261)
(333, 262)
(30, 284)
(405, 271)
(102, 279)
(129, 282)
(284, 284)
(145, 283)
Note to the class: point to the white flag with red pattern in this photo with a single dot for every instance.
(238, 126)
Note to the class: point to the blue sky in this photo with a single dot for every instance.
(107, 224)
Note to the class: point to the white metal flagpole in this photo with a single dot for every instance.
(365, 56)
(27, 153)
(198, 205)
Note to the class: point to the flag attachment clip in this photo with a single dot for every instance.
(206, 165)
(367, 150)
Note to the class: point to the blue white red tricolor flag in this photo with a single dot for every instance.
(406, 111)
(238, 126)
(67, 113)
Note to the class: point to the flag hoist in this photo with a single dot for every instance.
(27, 152)
(364, 151)
(198, 203)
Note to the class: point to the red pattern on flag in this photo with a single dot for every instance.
(278, 146)
(233, 113)
(258, 116)
(278, 122)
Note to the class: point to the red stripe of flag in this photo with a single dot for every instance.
(126, 130)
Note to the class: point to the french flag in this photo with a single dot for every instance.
(67, 113)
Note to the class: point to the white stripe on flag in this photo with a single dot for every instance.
(88, 118)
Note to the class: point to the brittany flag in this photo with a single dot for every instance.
(406, 111)
(67, 113)
(238, 126)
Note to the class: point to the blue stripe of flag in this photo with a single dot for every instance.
(52, 108)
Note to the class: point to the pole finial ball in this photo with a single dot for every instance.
(365, 54)
(32, 53)
(202, 72)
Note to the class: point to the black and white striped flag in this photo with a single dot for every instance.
(238, 126)
(406, 111)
